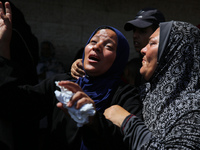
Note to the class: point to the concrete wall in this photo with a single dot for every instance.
(69, 23)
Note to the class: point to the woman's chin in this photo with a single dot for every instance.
(91, 72)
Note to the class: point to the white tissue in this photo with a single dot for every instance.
(81, 116)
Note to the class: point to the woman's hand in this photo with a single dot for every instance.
(5, 29)
(79, 96)
(77, 69)
(116, 114)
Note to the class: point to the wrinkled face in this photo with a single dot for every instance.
(150, 52)
(100, 52)
(141, 37)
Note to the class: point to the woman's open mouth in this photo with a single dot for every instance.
(94, 58)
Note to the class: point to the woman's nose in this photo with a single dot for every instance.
(97, 47)
(144, 50)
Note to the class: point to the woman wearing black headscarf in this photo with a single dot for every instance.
(105, 57)
(171, 94)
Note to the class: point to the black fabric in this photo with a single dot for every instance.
(165, 28)
(104, 130)
(31, 103)
(34, 102)
(133, 126)
(24, 49)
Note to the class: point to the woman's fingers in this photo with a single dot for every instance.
(77, 69)
(76, 74)
(1, 7)
(8, 13)
(60, 105)
(5, 30)
(71, 86)
(8, 10)
(80, 98)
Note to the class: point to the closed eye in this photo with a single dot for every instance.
(93, 42)
(109, 47)
(151, 43)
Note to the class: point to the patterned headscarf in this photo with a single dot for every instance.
(171, 97)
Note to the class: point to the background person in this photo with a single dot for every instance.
(131, 73)
(170, 96)
(24, 51)
(48, 64)
(143, 25)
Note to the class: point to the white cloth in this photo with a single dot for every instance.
(81, 116)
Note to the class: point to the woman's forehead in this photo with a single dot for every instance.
(106, 33)
(156, 33)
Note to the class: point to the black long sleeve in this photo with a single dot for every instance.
(21, 103)
(184, 134)
(135, 132)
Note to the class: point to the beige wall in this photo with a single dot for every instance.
(69, 23)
